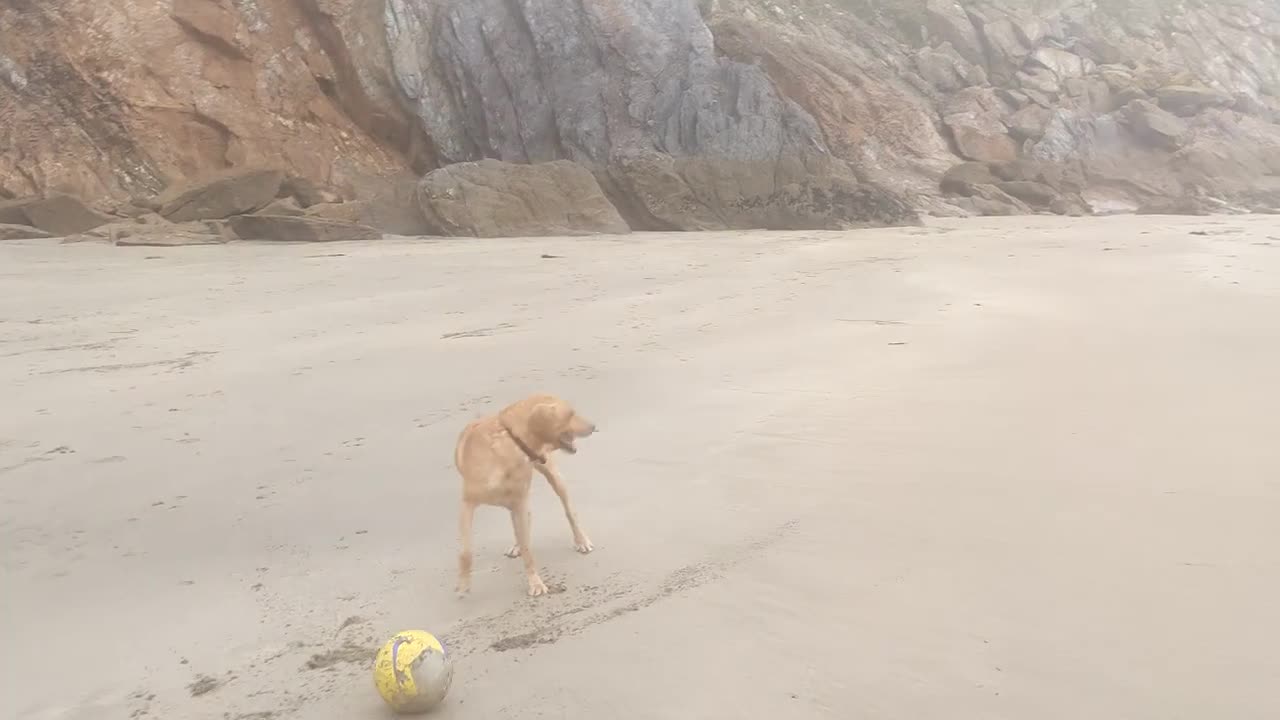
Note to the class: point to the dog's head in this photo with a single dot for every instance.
(547, 422)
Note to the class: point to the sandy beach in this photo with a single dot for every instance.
(1003, 468)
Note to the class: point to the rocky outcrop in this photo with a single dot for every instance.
(495, 199)
(690, 114)
(633, 90)
(114, 100)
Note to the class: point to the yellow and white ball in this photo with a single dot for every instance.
(412, 672)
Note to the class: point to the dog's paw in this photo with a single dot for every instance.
(463, 588)
(583, 545)
(537, 587)
(513, 551)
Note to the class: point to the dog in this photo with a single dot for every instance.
(497, 456)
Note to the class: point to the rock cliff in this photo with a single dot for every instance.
(690, 114)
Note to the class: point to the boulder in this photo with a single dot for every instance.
(151, 218)
(133, 209)
(1071, 205)
(974, 117)
(282, 206)
(963, 178)
(355, 211)
(154, 236)
(1029, 122)
(491, 198)
(1154, 125)
(710, 193)
(390, 204)
(22, 232)
(1185, 100)
(1039, 79)
(945, 70)
(304, 191)
(13, 212)
(1037, 195)
(659, 197)
(1061, 176)
(291, 228)
(232, 192)
(1006, 47)
(991, 200)
(57, 214)
(948, 21)
(1184, 205)
(162, 234)
(1062, 63)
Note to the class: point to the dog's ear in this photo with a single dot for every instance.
(543, 422)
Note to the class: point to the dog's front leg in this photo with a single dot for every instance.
(522, 521)
(514, 552)
(464, 550)
(581, 542)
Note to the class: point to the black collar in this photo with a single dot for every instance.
(528, 451)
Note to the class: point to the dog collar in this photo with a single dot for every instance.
(528, 451)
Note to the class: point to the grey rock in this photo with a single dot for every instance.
(22, 232)
(945, 70)
(1062, 63)
(1154, 125)
(1187, 101)
(963, 178)
(355, 211)
(57, 214)
(1029, 122)
(390, 204)
(232, 192)
(304, 191)
(282, 206)
(991, 200)
(974, 117)
(948, 21)
(1037, 195)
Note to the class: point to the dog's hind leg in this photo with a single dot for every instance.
(581, 542)
(522, 521)
(464, 551)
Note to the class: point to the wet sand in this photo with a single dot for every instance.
(1014, 468)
